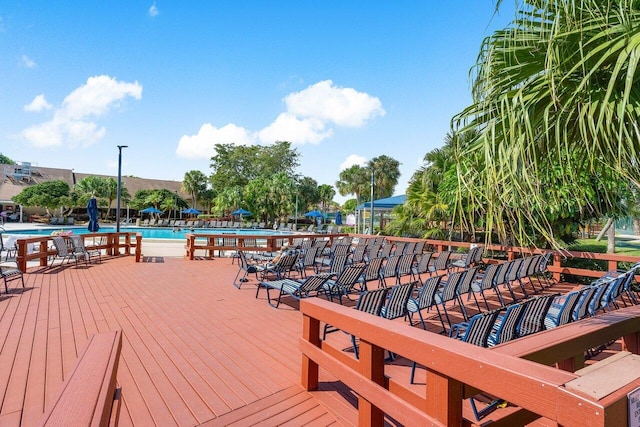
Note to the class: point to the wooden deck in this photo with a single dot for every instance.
(195, 350)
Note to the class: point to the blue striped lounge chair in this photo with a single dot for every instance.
(312, 286)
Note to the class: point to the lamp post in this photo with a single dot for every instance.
(175, 205)
(120, 147)
(372, 187)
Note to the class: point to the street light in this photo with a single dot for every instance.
(372, 187)
(120, 147)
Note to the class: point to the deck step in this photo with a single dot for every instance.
(292, 404)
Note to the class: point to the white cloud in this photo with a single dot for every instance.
(70, 123)
(288, 127)
(202, 145)
(27, 62)
(351, 160)
(39, 103)
(329, 103)
(307, 120)
(153, 10)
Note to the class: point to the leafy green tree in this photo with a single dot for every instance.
(308, 194)
(194, 183)
(355, 180)
(208, 197)
(48, 195)
(4, 160)
(386, 174)
(350, 206)
(228, 200)
(555, 94)
(236, 165)
(327, 193)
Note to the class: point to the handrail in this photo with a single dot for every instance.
(215, 242)
(452, 368)
(112, 247)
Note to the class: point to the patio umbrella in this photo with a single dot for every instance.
(151, 210)
(241, 212)
(314, 214)
(339, 218)
(191, 211)
(92, 211)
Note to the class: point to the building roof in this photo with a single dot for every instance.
(387, 203)
(12, 184)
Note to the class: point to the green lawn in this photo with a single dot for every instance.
(623, 246)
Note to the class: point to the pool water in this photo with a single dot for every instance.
(152, 233)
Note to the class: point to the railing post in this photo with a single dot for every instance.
(631, 342)
(372, 367)
(127, 241)
(310, 371)
(138, 247)
(21, 258)
(557, 262)
(44, 249)
(444, 398)
(572, 364)
(191, 243)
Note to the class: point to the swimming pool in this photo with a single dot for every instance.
(152, 233)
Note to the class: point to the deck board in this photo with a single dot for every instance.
(195, 350)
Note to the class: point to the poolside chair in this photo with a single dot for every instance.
(425, 299)
(405, 267)
(307, 261)
(385, 251)
(312, 286)
(246, 267)
(513, 275)
(9, 248)
(62, 251)
(441, 263)
(470, 276)
(581, 309)
(345, 282)
(399, 248)
(389, 269)
(448, 291)
(359, 254)
(467, 260)
(371, 273)
(81, 251)
(485, 283)
(282, 268)
(561, 310)
(9, 273)
(502, 278)
(423, 265)
(396, 305)
(476, 331)
(506, 325)
(532, 320)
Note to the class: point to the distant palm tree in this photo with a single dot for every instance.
(327, 194)
(354, 180)
(386, 174)
(194, 183)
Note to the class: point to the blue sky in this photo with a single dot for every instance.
(345, 81)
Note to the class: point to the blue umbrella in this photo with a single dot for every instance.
(339, 218)
(191, 211)
(151, 210)
(92, 211)
(314, 214)
(241, 212)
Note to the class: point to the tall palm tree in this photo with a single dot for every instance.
(194, 183)
(559, 86)
(354, 180)
(386, 174)
(327, 194)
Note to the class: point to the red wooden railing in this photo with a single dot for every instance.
(42, 252)
(456, 370)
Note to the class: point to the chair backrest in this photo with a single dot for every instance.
(544, 262)
(419, 248)
(566, 311)
(582, 307)
(340, 249)
(442, 261)
(488, 278)
(396, 305)
(358, 253)
(372, 301)
(477, 256)
(596, 301)
(469, 277)
(405, 264)
(309, 257)
(306, 244)
(314, 283)
(286, 263)
(385, 252)
(78, 243)
(410, 248)
(532, 320)
(508, 327)
(426, 294)
(533, 265)
(399, 248)
(374, 250)
(338, 263)
(479, 328)
(423, 263)
(61, 246)
(514, 269)
(372, 271)
(350, 275)
(244, 264)
(450, 286)
(390, 267)
(503, 273)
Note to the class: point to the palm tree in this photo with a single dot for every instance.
(386, 173)
(557, 87)
(194, 183)
(354, 180)
(327, 193)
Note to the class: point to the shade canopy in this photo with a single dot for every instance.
(92, 211)
(241, 212)
(191, 211)
(314, 214)
(151, 210)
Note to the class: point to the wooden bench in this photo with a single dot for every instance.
(88, 396)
